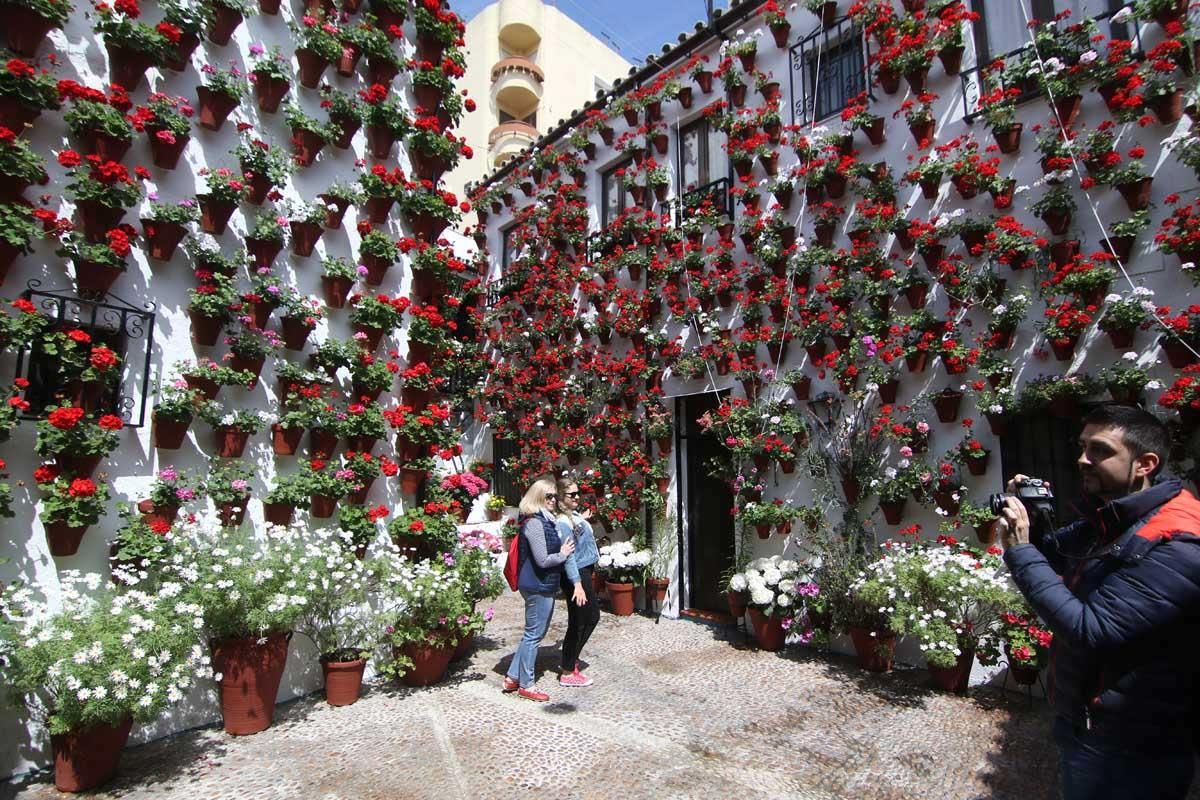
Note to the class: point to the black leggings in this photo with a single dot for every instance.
(581, 621)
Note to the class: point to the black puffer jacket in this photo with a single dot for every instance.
(1125, 615)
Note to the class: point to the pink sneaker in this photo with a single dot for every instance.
(576, 679)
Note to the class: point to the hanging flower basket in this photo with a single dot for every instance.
(85, 759)
(251, 673)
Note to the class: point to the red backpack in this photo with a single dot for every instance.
(511, 566)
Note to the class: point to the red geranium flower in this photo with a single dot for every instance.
(111, 422)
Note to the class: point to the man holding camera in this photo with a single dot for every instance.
(1120, 589)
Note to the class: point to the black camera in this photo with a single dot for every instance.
(1033, 492)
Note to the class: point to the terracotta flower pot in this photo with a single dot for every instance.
(306, 145)
(162, 238)
(250, 680)
(166, 154)
(214, 107)
(215, 214)
(463, 647)
(411, 479)
(621, 597)
(874, 652)
(225, 21)
(269, 93)
(380, 141)
(310, 67)
(127, 67)
(322, 506)
(263, 251)
(946, 403)
(381, 71)
(169, 434)
(1178, 354)
(737, 603)
(207, 387)
(1064, 348)
(378, 209)
(954, 679)
(1008, 139)
(246, 364)
(322, 443)
(347, 127)
(95, 279)
(768, 631)
(98, 219)
(85, 759)
(1137, 193)
(205, 329)
(343, 680)
(285, 441)
(25, 29)
(304, 237)
(335, 290)
(1168, 107)
(893, 511)
(181, 53)
(333, 217)
(978, 466)
(430, 663)
(231, 442)
(63, 539)
(656, 591)
(295, 332)
(278, 513)
(986, 534)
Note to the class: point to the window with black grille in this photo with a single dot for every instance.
(828, 69)
(47, 385)
(508, 248)
(1043, 446)
(702, 159)
(614, 197)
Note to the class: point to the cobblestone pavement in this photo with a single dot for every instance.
(679, 709)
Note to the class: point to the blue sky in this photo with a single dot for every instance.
(624, 24)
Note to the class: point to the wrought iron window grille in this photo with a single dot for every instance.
(827, 69)
(117, 323)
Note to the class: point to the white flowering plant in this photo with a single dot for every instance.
(768, 584)
(623, 562)
(99, 658)
(247, 583)
(946, 594)
(431, 607)
(337, 616)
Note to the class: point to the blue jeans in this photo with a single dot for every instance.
(1098, 767)
(538, 610)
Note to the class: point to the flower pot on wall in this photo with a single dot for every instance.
(87, 758)
(127, 67)
(1008, 139)
(215, 214)
(304, 237)
(95, 279)
(162, 238)
(169, 434)
(251, 673)
(180, 53)
(206, 330)
(335, 290)
(322, 443)
(63, 539)
(231, 442)
(269, 93)
(224, 22)
(322, 506)
(166, 152)
(310, 66)
(24, 28)
(285, 441)
(278, 513)
(946, 403)
(214, 107)
(295, 332)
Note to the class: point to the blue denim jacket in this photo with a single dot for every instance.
(586, 553)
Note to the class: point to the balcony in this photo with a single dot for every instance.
(517, 85)
(520, 25)
(508, 139)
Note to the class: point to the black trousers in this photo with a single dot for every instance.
(580, 621)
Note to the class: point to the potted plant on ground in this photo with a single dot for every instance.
(424, 627)
(623, 564)
(769, 583)
(80, 666)
(1025, 640)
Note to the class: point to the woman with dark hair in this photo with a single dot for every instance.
(541, 553)
(583, 612)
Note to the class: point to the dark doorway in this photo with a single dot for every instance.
(1042, 446)
(710, 545)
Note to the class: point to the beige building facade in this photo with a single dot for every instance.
(529, 65)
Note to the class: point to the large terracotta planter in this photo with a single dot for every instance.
(88, 758)
(768, 631)
(169, 434)
(621, 597)
(737, 603)
(956, 678)
(343, 680)
(874, 653)
(250, 680)
(64, 539)
(430, 663)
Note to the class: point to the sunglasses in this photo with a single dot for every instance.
(571, 494)
(551, 497)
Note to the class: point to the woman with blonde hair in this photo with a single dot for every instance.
(541, 554)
